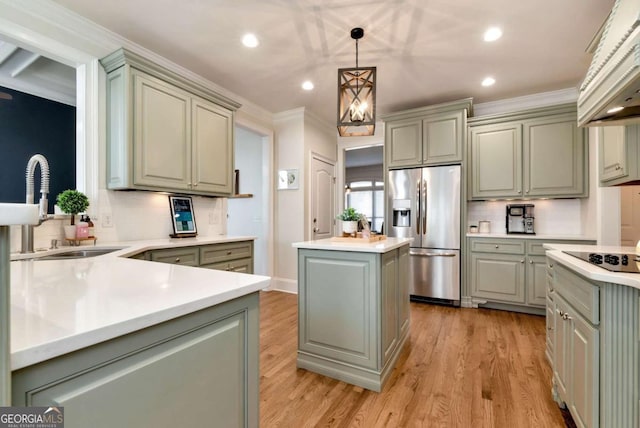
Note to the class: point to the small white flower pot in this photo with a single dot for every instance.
(349, 227)
(70, 231)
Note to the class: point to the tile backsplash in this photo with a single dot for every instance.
(552, 216)
(134, 216)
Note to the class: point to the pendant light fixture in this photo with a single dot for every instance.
(356, 97)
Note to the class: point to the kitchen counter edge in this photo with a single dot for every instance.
(587, 270)
(364, 247)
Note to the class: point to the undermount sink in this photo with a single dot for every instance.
(78, 254)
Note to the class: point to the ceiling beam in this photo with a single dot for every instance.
(6, 50)
(25, 64)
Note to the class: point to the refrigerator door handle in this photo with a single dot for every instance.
(424, 209)
(418, 208)
(412, 253)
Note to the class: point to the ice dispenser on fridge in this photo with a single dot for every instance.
(401, 213)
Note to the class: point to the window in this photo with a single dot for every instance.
(367, 197)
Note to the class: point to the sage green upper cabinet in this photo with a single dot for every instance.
(212, 156)
(555, 161)
(164, 131)
(426, 136)
(403, 143)
(162, 148)
(619, 160)
(496, 156)
(539, 153)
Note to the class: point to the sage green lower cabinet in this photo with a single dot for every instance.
(353, 313)
(498, 276)
(596, 350)
(194, 371)
(230, 256)
(509, 273)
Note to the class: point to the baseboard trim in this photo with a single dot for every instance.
(284, 284)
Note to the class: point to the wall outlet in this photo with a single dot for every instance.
(107, 220)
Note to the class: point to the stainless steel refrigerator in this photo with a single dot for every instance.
(424, 204)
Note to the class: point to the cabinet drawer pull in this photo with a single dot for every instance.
(561, 313)
(550, 328)
(566, 316)
(177, 259)
(527, 191)
(497, 246)
(229, 253)
(551, 290)
(522, 261)
(551, 266)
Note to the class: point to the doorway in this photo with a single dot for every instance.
(364, 184)
(248, 214)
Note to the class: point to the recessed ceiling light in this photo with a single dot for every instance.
(307, 85)
(492, 34)
(250, 40)
(615, 109)
(488, 81)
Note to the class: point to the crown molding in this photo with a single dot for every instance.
(543, 99)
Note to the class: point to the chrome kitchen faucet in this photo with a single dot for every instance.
(27, 230)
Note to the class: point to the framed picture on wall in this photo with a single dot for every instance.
(182, 217)
(287, 179)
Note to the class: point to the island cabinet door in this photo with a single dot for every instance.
(197, 379)
(403, 291)
(338, 302)
(390, 299)
(561, 350)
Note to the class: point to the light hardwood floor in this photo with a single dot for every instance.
(460, 368)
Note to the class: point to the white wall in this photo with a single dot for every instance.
(289, 215)
(298, 134)
(247, 215)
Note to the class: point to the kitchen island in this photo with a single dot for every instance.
(151, 344)
(593, 337)
(353, 308)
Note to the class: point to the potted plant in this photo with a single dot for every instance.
(72, 202)
(350, 218)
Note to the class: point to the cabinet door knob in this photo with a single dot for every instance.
(522, 261)
(551, 266)
(550, 328)
(229, 253)
(530, 261)
(566, 316)
(195, 184)
(527, 191)
(497, 246)
(551, 290)
(177, 259)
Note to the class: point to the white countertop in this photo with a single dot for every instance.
(526, 236)
(593, 272)
(370, 247)
(59, 306)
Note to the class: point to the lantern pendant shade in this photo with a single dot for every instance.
(356, 101)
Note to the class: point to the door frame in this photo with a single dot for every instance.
(308, 223)
(268, 160)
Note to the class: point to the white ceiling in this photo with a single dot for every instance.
(426, 51)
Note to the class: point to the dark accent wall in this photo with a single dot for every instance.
(30, 125)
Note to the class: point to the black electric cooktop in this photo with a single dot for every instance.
(614, 262)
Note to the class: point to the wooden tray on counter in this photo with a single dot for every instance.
(359, 239)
